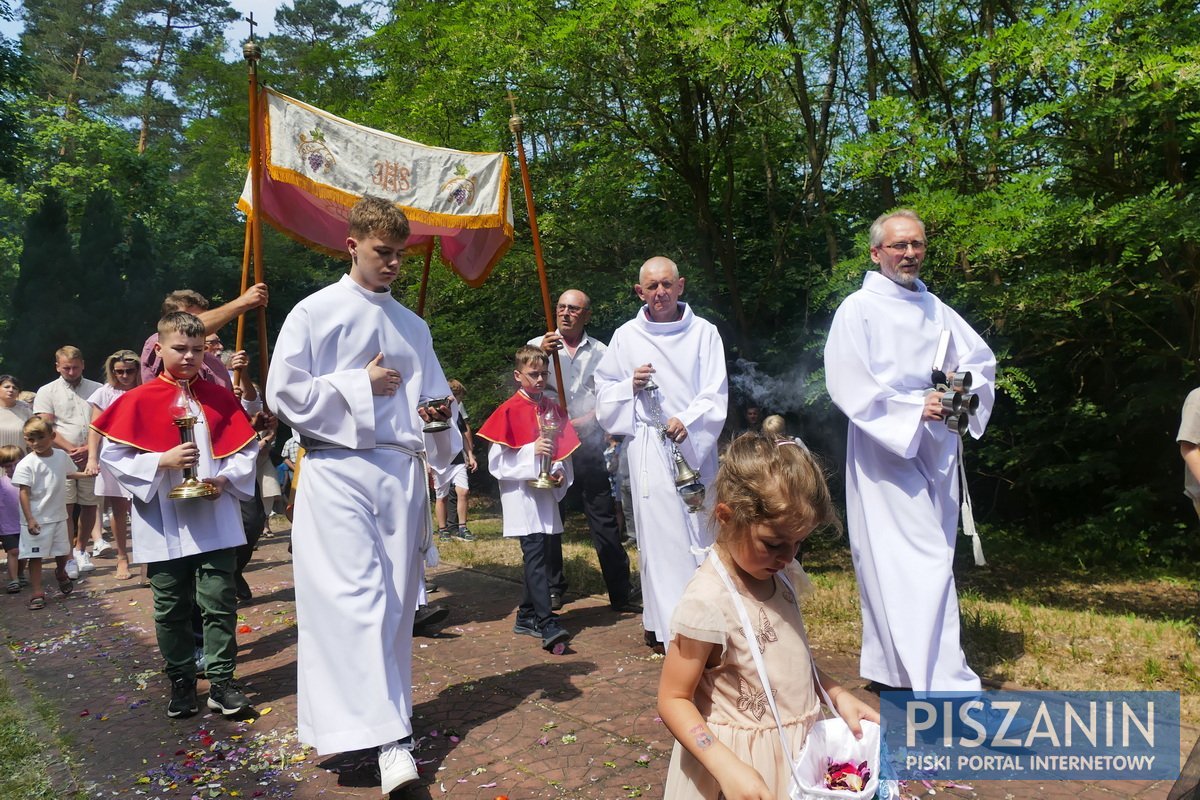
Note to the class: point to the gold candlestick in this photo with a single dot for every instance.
(185, 420)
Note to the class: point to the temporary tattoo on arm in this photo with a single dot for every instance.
(704, 740)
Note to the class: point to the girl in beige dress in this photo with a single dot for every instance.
(769, 497)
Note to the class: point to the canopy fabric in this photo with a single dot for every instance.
(317, 166)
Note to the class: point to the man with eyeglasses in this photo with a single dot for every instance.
(578, 356)
(902, 460)
(686, 402)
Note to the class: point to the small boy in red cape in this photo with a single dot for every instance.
(188, 544)
(518, 445)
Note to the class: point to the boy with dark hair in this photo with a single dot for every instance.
(351, 371)
(519, 447)
(189, 544)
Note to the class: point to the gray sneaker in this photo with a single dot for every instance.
(527, 627)
(225, 697)
(464, 535)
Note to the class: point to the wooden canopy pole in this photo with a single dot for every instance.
(517, 126)
(239, 341)
(252, 52)
(424, 282)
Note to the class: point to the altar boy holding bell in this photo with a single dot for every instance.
(188, 543)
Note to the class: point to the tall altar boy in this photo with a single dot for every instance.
(350, 369)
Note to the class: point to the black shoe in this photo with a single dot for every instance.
(527, 627)
(632, 603)
(556, 601)
(653, 643)
(225, 697)
(554, 635)
(430, 615)
(627, 607)
(431, 587)
(183, 698)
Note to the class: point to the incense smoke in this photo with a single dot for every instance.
(791, 392)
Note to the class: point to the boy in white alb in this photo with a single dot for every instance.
(350, 371)
(41, 477)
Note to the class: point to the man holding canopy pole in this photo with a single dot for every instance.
(578, 356)
(662, 384)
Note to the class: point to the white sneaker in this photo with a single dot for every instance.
(85, 561)
(102, 547)
(396, 768)
(72, 569)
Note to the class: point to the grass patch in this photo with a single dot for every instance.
(27, 760)
(496, 555)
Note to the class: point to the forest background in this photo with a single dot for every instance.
(1051, 148)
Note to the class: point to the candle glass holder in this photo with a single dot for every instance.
(185, 420)
(549, 425)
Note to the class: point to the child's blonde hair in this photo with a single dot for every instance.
(9, 454)
(775, 426)
(762, 481)
(528, 354)
(457, 389)
(37, 425)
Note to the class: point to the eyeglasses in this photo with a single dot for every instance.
(902, 247)
(212, 341)
(129, 371)
(563, 308)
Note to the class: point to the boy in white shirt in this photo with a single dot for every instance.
(41, 477)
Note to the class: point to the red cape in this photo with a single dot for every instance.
(141, 417)
(514, 424)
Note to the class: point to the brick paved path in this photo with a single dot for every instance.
(497, 715)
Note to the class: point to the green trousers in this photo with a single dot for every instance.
(205, 579)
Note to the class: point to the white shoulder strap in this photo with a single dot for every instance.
(748, 629)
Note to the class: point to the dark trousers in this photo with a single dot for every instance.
(591, 486)
(204, 580)
(542, 554)
(253, 519)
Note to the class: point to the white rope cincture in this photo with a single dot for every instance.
(968, 515)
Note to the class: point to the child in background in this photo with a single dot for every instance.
(10, 516)
(775, 426)
(455, 476)
(769, 497)
(41, 477)
(532, 514)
